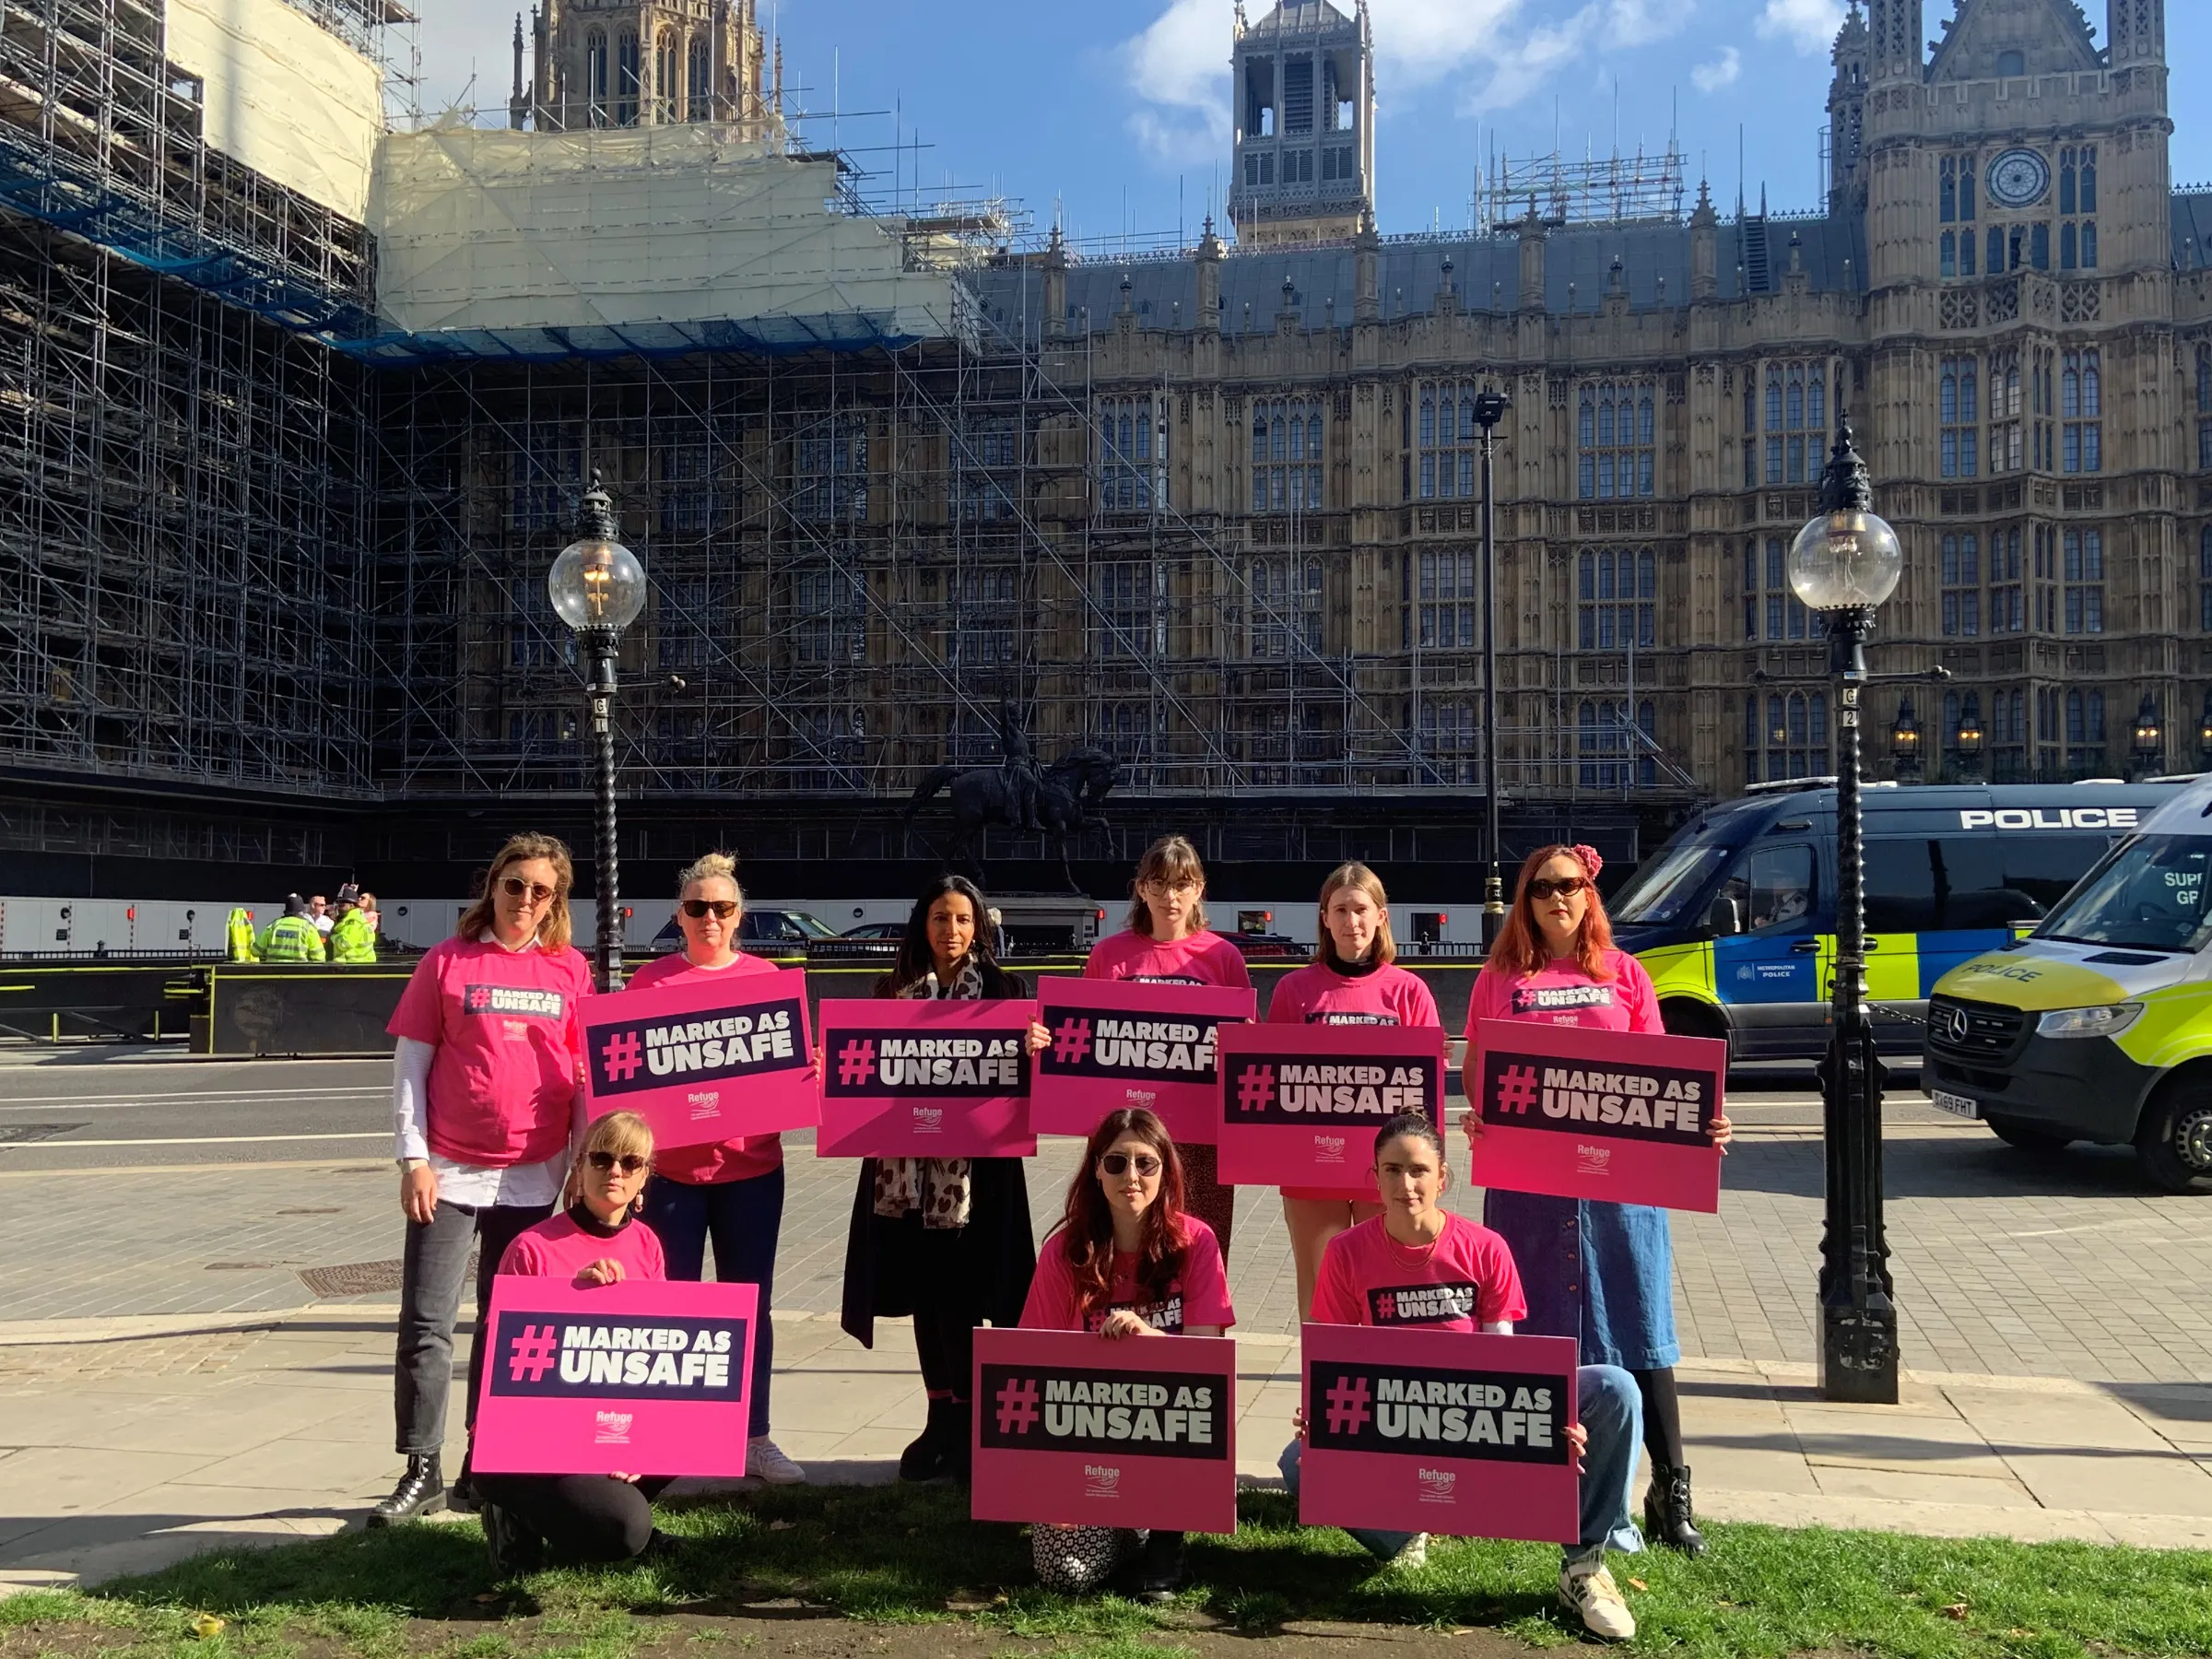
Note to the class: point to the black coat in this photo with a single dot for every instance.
(997, 1248)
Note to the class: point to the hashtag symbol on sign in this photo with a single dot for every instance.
(854, 1062)
(623, 1055)
(1386, 1306)
(1347, 1405)
(1517, 1089)
(1018, 1406)
(530, 1356)
(1255, 1087)
(1073, 1042)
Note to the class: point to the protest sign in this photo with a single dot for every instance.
(643, 1376)
(1439, 1432)
(1123, 1042)
(1300, 1104)
(1577, 1114)
(1080, 1431)
(926, 1079)
(704, 1062)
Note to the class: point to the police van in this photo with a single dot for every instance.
(2098, 1025)
(1735, 917)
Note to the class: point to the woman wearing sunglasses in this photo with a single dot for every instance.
(1601, 1272)
(533, 1521)
(732, 1191)
(1168, 943)
(1127, 1260)
(1353, 979)
(486, 1099)
(947, 1239)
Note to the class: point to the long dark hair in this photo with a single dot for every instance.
(1520, 949)
(915, 961)
(1086, 1229)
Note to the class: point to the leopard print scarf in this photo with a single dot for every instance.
(938, 1187)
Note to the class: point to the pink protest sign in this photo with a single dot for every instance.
(1300, 1104)
(1080, 1431)
(1617, 1115)
(926, 1079)
(1123, 1043)
(704, 1062)
(644, 1377)
(1442, 1431)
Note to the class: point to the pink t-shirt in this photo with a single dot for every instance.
(1203, 959)
(744, 1156)
(1563, 994)
(509, 1049)
(559, 1247)
(1197, 1295)
(1318, 995)
(1467, 1279)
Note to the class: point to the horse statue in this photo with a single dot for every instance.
(1064, 794)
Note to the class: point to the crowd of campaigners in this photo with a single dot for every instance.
(497, 1159)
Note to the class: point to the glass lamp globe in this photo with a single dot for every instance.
(596, 582)
(1845, 560)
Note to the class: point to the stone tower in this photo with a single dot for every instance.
(640, 63)
(1304, 167)
(1847, 112)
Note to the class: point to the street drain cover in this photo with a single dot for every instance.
(354, 1279)
(16, 1135)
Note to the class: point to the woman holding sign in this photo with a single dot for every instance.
(947, 1239)
(732, 1191)
(1353, 979)
(532, 1520)
(486, 1096)
(1601, 1272)
(1127, 1260)
(1168, 943)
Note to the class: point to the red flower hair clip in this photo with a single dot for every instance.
(1588, 857)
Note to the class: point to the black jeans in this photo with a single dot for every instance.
(583, 1518)
(430, 1301)
(743, 1219)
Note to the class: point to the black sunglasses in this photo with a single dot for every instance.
(1565, 886)
(632, 1163)
(514, 887)
(1117, 1163)
(724, 908)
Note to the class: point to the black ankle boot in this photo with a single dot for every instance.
(420, 1491)
(959, 1441)
(926, 1458)
(1159, 1568)
(1666, 1512)
(514, 1549)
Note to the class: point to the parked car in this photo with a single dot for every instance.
(890, 930)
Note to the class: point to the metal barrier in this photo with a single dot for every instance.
(142, 1002)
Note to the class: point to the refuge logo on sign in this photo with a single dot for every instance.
(560, 1356)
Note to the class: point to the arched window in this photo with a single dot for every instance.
(1815, 400)
(1949, 265)
(702, 78)
(1259, 432)
(594, 76)
(2067, 247)
(628, 70)
(2088, 247)
(667, 68)
(1773, 400)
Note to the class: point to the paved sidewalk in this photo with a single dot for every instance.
(130, 1443)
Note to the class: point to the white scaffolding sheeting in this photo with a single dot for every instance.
(484, 230)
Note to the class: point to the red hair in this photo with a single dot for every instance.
(1520, 951)
(1086, 1229)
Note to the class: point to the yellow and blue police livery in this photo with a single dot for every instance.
(1734, 918)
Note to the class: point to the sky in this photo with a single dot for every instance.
(1115, 115)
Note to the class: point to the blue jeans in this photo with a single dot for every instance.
(744, 1217)
(1610, 1407)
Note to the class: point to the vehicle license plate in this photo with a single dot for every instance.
(1957, 1105)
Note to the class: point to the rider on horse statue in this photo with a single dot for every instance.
(1019, 766)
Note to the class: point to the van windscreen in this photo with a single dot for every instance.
(2149, 897)
(1663, 891)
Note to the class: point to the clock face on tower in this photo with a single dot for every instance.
(2018, 178)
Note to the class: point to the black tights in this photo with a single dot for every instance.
(583, 1518)
(1662, 1417)
(946, 1313)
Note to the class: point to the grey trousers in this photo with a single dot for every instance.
(435, 1266)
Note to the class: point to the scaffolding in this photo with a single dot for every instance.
(1614, 189)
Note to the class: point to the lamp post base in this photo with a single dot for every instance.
(1858, 1355)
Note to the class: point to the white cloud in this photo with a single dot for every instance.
(1724, 71)
(1180, 68)
(1809, 25)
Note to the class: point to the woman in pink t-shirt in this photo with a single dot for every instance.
(533, 1521)
(1168, 943)
(1601, 1272)
(1353, 979)
(732, 1191)
(1126, 1261)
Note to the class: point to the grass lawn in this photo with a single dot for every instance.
(901, 1571)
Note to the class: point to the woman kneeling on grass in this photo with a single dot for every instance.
(1125, 1261)
(1413, 1242)
(533, 1521)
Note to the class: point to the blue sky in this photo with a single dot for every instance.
(1119, 111)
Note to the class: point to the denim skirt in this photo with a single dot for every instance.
(1601, 1272)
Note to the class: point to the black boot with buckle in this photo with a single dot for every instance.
(1667, 1518)
(420, 1491)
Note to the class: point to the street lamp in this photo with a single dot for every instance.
(1904, 743)
(2205, 735)
(597, 587)
(1968, 739)
(2151, 742)
(1842, 566)
(1489, 409)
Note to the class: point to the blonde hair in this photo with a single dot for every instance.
(711, 866)
(365, 902)
(624, 1133)
(1367, 881)
(553, 926)
(1171, 860)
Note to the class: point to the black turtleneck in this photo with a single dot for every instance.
(581, 1213)
(1344, 970)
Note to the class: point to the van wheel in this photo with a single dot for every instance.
(2175, 1142)
(2014, 1133)
(1683, 1018)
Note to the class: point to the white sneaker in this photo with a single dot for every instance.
(1413, 1555)
(764, 1460)
(1589, 1591)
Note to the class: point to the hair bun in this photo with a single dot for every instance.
(1589, 858)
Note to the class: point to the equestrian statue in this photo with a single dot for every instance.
(1056, 801)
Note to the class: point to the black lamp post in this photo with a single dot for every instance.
(2150, 741)
(598, 588)
(1489, 409)
(1842, 566)
(1904, 744)
(2204, 736)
